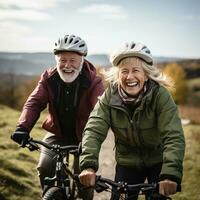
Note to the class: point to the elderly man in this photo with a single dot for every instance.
(70, 90)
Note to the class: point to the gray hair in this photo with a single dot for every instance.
(151, 71)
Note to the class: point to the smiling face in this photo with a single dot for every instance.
(132, 76)
(69, 65)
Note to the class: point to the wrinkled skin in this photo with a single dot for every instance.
(69, 65)
(132, 76)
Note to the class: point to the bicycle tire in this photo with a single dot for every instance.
(55, 193)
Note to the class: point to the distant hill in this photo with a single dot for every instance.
(101, 60)
(25, 63)
(36, 63)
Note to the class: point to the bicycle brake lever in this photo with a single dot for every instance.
(100, 187)
(32, 146)
(25, 142)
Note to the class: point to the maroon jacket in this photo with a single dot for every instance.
(45, 93)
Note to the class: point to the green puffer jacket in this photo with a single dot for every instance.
(152, 135)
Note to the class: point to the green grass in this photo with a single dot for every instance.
(18, 175)
(193, 97)
(195, 82)
(191, 178)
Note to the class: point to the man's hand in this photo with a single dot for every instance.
(21, 137)
(167, 187)
(87, 177)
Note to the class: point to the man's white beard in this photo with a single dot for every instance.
(69, 77)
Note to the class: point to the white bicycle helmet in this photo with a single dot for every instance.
(71, 43)
(130, 49)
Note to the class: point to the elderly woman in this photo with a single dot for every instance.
(139, 109)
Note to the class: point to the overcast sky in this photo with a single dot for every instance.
(167, 27)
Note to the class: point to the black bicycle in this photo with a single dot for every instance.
(63, 185)
(148, 190)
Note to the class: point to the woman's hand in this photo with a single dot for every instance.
(167, 187)
(87, 177)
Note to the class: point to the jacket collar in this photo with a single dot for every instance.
(116, 100)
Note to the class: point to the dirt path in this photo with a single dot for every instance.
(106, 164)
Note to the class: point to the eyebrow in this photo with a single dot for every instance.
(134, 67)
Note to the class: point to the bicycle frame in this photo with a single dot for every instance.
(63, 173)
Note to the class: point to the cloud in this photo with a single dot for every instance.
(12, 28)
(30, 4)
(12, 34)
(17, 37)
(29, 15)
(106, 11)
(38, 43)
(33, 10)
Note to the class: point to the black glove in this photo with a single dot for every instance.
(21, 137)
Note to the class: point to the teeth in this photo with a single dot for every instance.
(132, 84)
(67, 70)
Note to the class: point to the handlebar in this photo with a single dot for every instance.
(32, 145)
(123, 186)
(102, 184)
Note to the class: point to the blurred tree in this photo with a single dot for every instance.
(7, 89)
(100, 73)
(178, 75)
(23, 91)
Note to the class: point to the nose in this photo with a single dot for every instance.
(130, 75)
(67, 64)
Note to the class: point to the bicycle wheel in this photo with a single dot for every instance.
(55, 193)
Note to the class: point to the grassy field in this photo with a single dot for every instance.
(18, 175)
(193, 83)
(194, 91)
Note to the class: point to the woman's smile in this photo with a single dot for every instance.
(132, 76)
